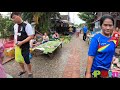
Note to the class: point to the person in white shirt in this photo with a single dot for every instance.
(33, 42)
(45, 38)
(23, 33)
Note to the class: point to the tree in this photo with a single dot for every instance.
(25, 16)
(6, 27)
(76, 25)
(80, 25)
(88, 17)
(41, 19)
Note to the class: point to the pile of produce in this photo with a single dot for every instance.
(49, 47)
(65, 39)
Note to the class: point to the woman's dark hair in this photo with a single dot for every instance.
(106, 17)
(15, 13)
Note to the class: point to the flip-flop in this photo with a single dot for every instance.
(30, 75)
(21, 73)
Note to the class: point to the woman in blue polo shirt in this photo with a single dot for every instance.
(102, 47)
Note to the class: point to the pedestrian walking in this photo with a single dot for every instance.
(77, 31)
(85, 30)
(23, 33)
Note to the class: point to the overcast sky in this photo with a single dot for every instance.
(4, 13)
(73, 16)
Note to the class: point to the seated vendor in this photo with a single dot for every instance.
(55, 35)
(45, 38)
(33, 42)
(39, 37)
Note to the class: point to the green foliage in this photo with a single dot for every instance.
(6, 27)
(80, 25)
(76, 25)
(50, 46)
(88, 17)
(66, 39)
(27, 16)
(44, 19)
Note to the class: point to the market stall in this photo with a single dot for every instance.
(48, 47)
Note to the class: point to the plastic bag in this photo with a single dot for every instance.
(18, 56)
(30, 56)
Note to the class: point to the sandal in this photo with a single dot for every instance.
(30, 75)
(21, 73)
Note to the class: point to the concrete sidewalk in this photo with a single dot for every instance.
(76, 64)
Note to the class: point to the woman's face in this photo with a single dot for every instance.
(107, 26)
(117, 29)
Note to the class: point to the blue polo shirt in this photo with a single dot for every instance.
(102, 48)
(85, 29)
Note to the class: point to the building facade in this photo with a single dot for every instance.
(116, 16)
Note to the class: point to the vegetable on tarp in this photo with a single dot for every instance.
(50, 46)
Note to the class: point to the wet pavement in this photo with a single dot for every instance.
(68, 62)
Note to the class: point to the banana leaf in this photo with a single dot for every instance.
(49, 46)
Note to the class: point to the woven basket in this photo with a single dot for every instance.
(9, 52)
